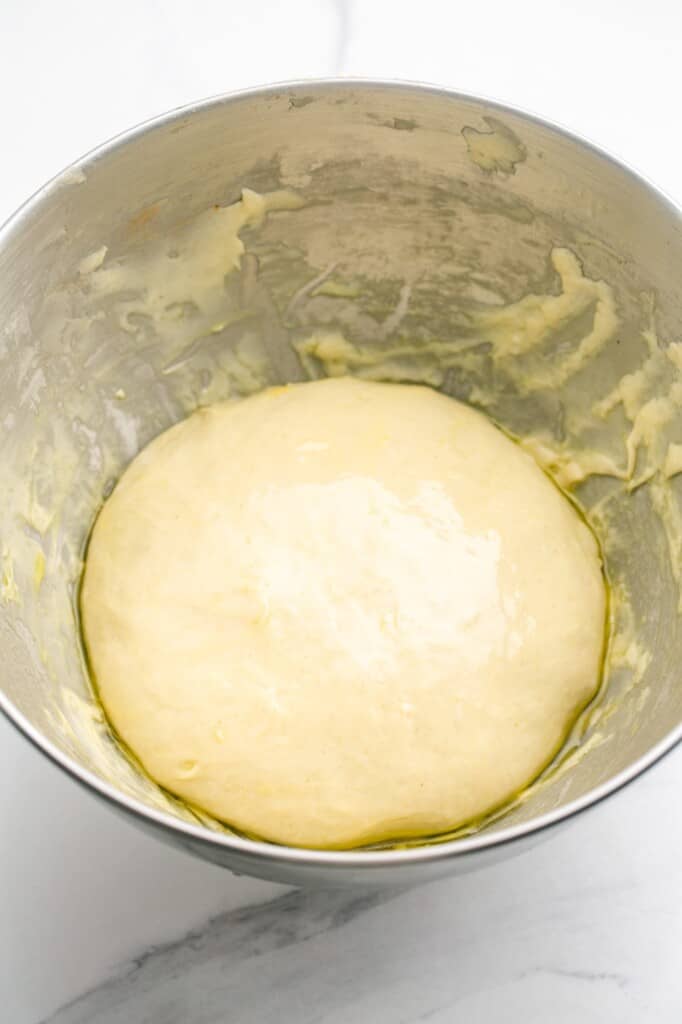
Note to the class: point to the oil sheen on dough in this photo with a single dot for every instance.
(338, 613)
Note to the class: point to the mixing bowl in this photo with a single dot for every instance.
(436, 237)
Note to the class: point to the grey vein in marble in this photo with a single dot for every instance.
(168, 982)
(619, 980)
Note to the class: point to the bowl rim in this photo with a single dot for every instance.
(259, 849)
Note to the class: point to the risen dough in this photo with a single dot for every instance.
(339, 612)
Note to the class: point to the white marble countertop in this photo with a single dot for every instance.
(112, 926)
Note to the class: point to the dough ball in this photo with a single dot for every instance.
(340, 612)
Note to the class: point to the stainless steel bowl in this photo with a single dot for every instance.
(460, 197)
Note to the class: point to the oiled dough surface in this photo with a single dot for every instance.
(341, 611)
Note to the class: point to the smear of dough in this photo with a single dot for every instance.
(497, 150)
(178, 282)
(519, 329)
